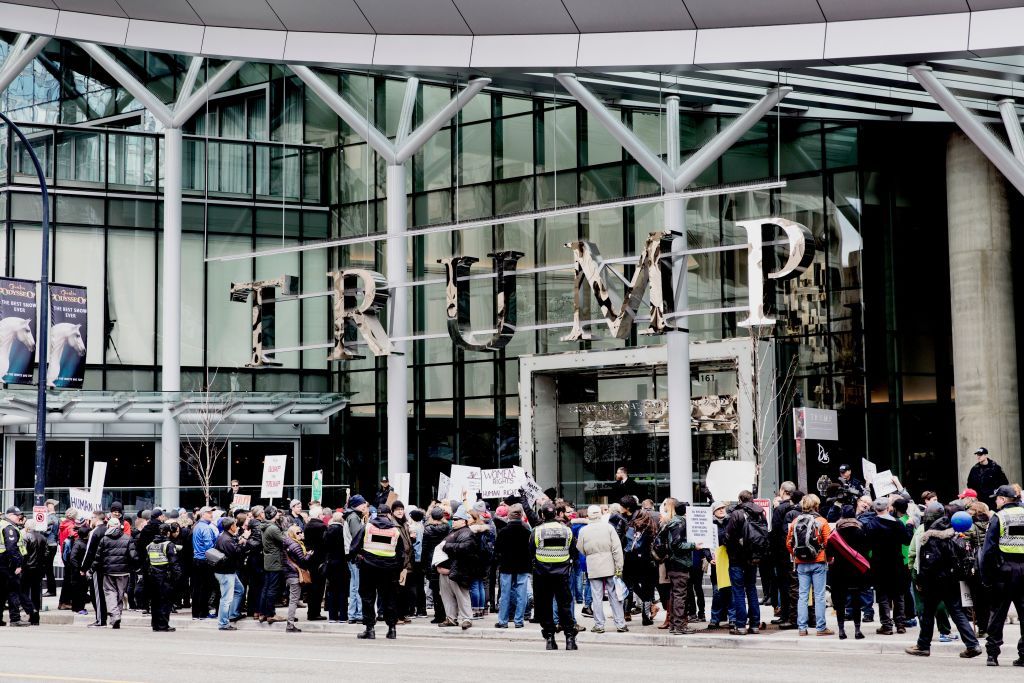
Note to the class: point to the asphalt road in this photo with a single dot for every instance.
(135, 655)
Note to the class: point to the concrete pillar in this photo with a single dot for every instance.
(981, 299)
(170, 323)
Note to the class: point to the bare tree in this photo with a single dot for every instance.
(771, 391)
(205, 440)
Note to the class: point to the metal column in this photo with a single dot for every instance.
(170, 321)
(397, 274)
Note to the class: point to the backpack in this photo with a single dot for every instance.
(806, 538)
(965, 562)
(934, 561)
(65, 552)
(633, 546)
(755, 538)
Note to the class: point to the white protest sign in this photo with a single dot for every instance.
(443, 483)
(400, 482)
(499, 483)
(700, 527)
(81, 500)
(273, 476)
(869, 469)
(532, 489)
(241, 502)
(884, 483)
(464, 478)
(965, 595)
(726, 478)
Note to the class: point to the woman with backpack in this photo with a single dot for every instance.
(640, 572)
(806, 541)
(847, 551)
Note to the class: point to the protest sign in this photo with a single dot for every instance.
(965, 595)
(81, 500)
(884, 483)
(241, 501)
(464, 479)
(766, 505)
(726, 478)
(869, 470)
(442, 486)
(273, 476)
(401, 486)
(532, 489)
(499, 483)
(700, 527)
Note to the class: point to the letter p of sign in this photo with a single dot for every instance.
(264, 306)
(801, 254)
(355, 312)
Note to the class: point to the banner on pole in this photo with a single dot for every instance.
(69, 330)
(273, 476)
(18, 309)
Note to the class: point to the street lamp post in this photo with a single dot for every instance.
(42, 340)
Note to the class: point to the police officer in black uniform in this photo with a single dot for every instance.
(164, 573)
(1002, 568)
(553, 550)
(12, 558)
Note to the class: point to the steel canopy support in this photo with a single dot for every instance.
(1011, 120)
(986, 141)
(21, 54)
(407, 142)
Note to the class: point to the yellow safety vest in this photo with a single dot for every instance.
(157, 553)
(380, 542)
(552, 541)
(22, 546)
(1011, 530)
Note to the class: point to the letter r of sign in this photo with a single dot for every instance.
(800, 241)
(264, 306)
(358, 313)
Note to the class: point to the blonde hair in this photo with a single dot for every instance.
(72, 513)
(293, 532)
(810, 503)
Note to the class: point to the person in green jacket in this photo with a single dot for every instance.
(673, 549)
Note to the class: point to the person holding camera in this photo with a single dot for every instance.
(227, 556)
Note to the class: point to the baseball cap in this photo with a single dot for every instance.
(981, 451)
(384, 478)
(205, 508)
(843, 469)
(968, 493)
(270, 512)
(461, 514)
(14, 510)
(1004, 491)
(156, 513)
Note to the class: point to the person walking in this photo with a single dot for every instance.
(356, 515)
(847, 551)
(553, 549)
(163, 575)
(674, 549)
(806, 540)
(1002, 567)
(600, 545)
(513, 556)
(335, 565)
(985, 477)
(746, 540)
(231, 545)
(116, 558)
(272, 535)
(296, 571)
(378, 553)
(938, 583)
(204, 535)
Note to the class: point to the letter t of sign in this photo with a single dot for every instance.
(263, 309)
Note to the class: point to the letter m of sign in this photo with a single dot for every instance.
(618, 314)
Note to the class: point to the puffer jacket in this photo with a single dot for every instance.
(117, 553)
(297, 556)
(463, 549)
(35, 544)
(433, 535)
(599, 542)
(273, 547)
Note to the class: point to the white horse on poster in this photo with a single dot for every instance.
(11, 329)
(61, 335)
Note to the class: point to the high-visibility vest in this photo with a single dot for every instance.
(22, 546)
(1011, 530)
(380, 542)
(552, 541)
(157, 553)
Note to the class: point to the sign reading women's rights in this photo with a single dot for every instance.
(17, 330)
(500, 483)
(69, 329)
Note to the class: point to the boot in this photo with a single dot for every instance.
(570, 641)
(842, 630)
(857, 634)
(551, 644)
(368, 634)
(392, 633)
(647, 620)
(290, 627)
(992, 661)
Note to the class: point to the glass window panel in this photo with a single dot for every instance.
(513, 196)
(475, 154)
(473, 202)
(435, 161)
(557, 189)
(131, 294)
(601, 146)
(286, 312)
(277, 222)
(800, 146)
(841, 146)
(316, 312)
(229, 324)
(559, 139)
(84, 210)
(28, 207)
(27, 250)
(131, 161)
(597, 184)
(79, 261)
(479, 378)
(517, 146)
(131, 213)
(433, 207)
(477, 109)
(80, 157)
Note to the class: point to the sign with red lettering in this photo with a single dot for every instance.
(273, 476)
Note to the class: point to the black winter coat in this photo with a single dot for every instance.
(886, 537)
(840, 571)
(777, 535)
(512, 549)
(232, 549)
(116, 553)
(145, 537)
(35, 543)
(463, 549)
(333, 547)
(76, 562)
(985, 479)
(433, 535)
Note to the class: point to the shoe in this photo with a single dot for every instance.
(83, 613)
(776, 621)
(392, 633)
(884, 631)
(700, 618)
(629, 616)
(368, 634)
(229, 627)
(447, 622)
(25, 623)
(901, 629)
(551, 644)
(858, 634)
(290, 627)
(971, 653)
(713, 626)
(274, 620)
(992, 661)
(501, 625)
(466, 624)
(355, 621)
(316, 618)
(917, 652)
(787, 626)
(63, 606)
(753, 630)
(597, 629)
(664, 624)
(570, 642)
(826, 632)
(1018, 662)
(803, 632)
(948, 637)
(115, 625)
(911, 623)
(684, 631)
(520, 625)
(737, 631)
(94, 624)
(868, 620)
(169, 629)
(623, 629)
(436, 621)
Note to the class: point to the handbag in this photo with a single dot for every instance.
(304, 576)
(214, 557)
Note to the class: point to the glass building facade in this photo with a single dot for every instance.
(865, 330)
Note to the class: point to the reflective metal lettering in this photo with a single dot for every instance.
(263, 309)
(801, 255)
(458, 301)
(359, 313)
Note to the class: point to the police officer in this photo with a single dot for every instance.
(12, 559)
(553, 550)
(1002, 568)
(380, 557)
(164, 572)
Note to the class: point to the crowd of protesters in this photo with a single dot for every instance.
(537, 560)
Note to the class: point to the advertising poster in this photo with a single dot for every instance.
(69, 330)
(17, 330)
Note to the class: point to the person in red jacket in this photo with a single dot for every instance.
(806, 539)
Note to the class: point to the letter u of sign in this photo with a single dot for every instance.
(457, 304)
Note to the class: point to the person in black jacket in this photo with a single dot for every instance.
(434, 532)
(164, 574)
(985, 477)
(75, 570)
(380, 498)
(254, 561)
(335, 567)
(886, 537)
(94, 571)
(34, 571)
(378, 551)
(231, 545)
(313, 537)
(782, 561)
(116, 557)
(514, 557)
(743, 564)
(146, 535)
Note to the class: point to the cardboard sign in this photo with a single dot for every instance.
(869, 470)
(532, 489)
(273, 476)
(464, 479)
(965, 595)
(726, 478)
(700, 527)
(884, 483)
(401, 485)
(91, 500)
(81, 500)
(443, 484)
(318, 486)
(241, 501)
(499, 483)
(766, 505)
